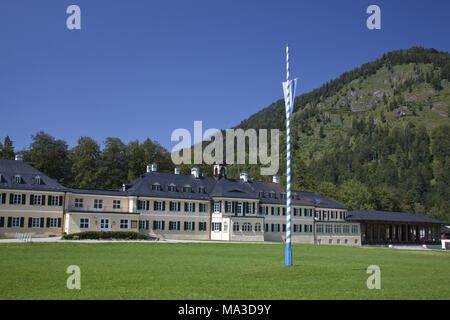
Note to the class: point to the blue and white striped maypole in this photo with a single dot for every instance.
(289, 91)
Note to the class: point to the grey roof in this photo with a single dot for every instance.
(320, 201)
(98, 191)
(371, 215)
(142, 186)
(231, 188)
(267, 187)
(10, 168)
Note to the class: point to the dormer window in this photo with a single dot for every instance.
(283, 195)
(156, 187)
(261, 194)
(187, 188)
(271, 194)
(295, 196)
(201, 189)
(1, 178)
(18, 178)
(172, 188)
(37, 180)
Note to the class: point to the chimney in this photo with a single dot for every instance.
(152, 167)
(19, 157)
(124, 188)
(177, 170)
(244, 176)
(276, 179)
(195, 172)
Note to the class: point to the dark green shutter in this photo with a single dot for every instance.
(48, 222)
(30, 222)
(31, 199)
(42, 223)
(138, 205)
(49, 200)
(9, 222)
(163, 223)
(271, 210)
(3, 198)
(24, 197)
(59, 222)
(11, 198)
(193, 208)
(146, 224)
(193, 226)
(2, 222)
(245, 209)
(226, 206)
(185, 225)
(43, 201)
(60, 201)
(21, 221)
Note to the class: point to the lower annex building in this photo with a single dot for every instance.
(180, 206)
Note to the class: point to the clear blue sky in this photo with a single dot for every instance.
(141, 69)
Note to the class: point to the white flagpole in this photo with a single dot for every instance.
(288, 253)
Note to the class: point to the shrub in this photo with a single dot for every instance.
(97, 235)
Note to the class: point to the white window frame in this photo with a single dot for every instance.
(53, 223)
(124, 224)
(17, 199)
(78, 203)
(236, 226)
(35, 222)
(84, 223)
(247, 227)
(216, 226)
(37, 200)
(190, 207)
(258, 227)
(217, 206)
(117, 204)
(15, 222)
(98, 204)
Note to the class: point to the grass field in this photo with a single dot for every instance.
(218, 271)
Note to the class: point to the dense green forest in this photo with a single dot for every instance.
(377, 137)
(89, 165)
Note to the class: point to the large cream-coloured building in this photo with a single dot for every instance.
(174, 206)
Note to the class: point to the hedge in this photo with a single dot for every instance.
(97, 235)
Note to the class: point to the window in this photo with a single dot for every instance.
(266, 227)
(174, 206)
(346, 241)
(284, 227)
(295, 196)
(308, 212)
(174, 225)
(36, 200)
(330, 241)
(15, 222)
(217, 206)
(158, 225)
(201, 189)
(187, 188)
(159, 206)
(53, 223)
(84, 223)
(275, 227)
(98, 204)
(283, 195)
(202, 207)
(319, 228)
(251, 207)
(202, 226)
(264, 210)
(35, 222)
(236, 226)
(18, 179)
(37, 180)
(355, 229)
(271, 194)
(346, 228)
(261, 194)
(172, 188)
(247, 227)
(329, 228)
(239, 211)
(189, 226)
(216, 226)
(143, 205)
(337, 228)
(143, 225)
(297, 228)
(156, 187)
(297, 212)
(116, 204)
(189, 207)
(228, 206)
(308, 228)
(338, 241)
(275, 211)
(18, 199)
(284, 211)
(258, 227)
(133, 224)
(356, 241)
(124, 223)
(78, 203)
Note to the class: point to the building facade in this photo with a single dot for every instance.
(172, 206)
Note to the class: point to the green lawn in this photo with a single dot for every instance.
(218, 271)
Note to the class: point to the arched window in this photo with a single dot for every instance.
(172, 188)
(18, 178)
(258, 227)
(156, 186)
(201, 189)
(187, 188)
(246, 227)
(236, 226)
(37, 180)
